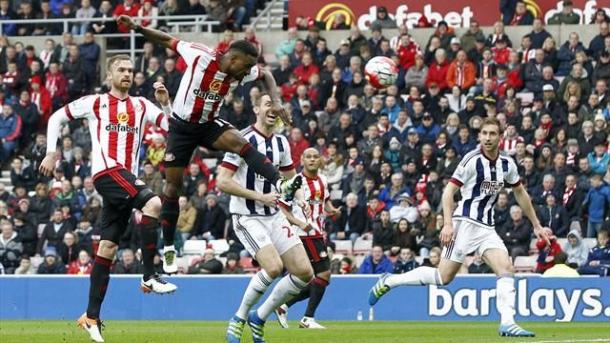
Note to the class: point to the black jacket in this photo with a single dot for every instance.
(53, 238)
(356, 218)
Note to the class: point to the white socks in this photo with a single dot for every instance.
(418, 276)
(505, 299)
(289, 286)
(256, 288)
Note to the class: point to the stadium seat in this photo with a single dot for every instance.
(219, 246)
(336, 194)
(525, 264)
(194, 247)
(343, 247)
(590, 242)
(526, 98)
(533, 250)
(183, 263)
(362, 246)
(562, 242)
(359, 259)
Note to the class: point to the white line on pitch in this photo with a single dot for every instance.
(572, 341)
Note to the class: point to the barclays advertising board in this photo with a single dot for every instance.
(468, 298)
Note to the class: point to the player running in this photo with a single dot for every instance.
(310, 227)
(209, 77)
(116, 122)
(260, 226)
(480, 176)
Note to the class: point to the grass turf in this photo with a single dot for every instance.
(350, 332)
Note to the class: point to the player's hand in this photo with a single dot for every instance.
(543, 233)
(306, 227)
(48, 164)
(280, 111)
(161, 93)
(446, 234)
(334, 211)
(127, 21)
(269, 199)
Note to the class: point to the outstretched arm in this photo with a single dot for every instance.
(152, 35)
(272, 89)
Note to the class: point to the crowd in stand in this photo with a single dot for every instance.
(388, 154)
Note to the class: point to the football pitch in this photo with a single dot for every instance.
(349, 332)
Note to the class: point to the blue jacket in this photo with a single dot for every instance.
(463, 148)
(565, 57)
(428, 134)
(10, 127)
(392, 112)
(384, 266)
(598, 200)
(388, 199)
(601, 166)
(601, 254)
(403, 267)
(8, 29)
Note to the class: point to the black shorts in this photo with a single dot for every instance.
(121, 192)
(183, 137)
(316, 250)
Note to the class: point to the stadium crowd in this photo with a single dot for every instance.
(388, 154)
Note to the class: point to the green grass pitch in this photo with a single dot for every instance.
(337, 332)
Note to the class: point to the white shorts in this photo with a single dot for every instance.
(470, 237)
(256, 232)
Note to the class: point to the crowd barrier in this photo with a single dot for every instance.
(217, 297)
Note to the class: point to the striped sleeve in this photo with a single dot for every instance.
(512, 179)
(461, 174)
(286, 163)
(231, 161)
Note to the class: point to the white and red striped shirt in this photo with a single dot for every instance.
(203, 86)
(116, 127)
(315, 194)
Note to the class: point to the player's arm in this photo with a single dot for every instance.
(152, 35)
(292, 219)
(524, 201)
(272, 89)
(225, 183)
(448, 204)
(74, 110)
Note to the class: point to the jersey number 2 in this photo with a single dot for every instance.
(288, 231)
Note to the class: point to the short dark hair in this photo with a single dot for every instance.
(561, 258)
(244, 47)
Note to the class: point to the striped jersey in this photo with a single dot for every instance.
(480, 180)
(116, 127)
(203, 86)
(277, 150)
(315, 193)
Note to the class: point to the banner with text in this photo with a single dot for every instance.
(456, 13)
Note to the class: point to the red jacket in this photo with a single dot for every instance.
(303, 72)
(78, 269)
(42, 99)
(131, 11)
(501, 55)
(57, 85)
(464, 79)
(406, 55)
(296, 150)
(544, 252)
(437, 73)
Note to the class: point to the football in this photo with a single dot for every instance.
(381, 72)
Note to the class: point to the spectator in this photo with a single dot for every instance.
(10, 131)
(598, 261)
(84, 13)
(232, 266)
(54, 232)
(575, 249)
(11, 248)
(560, 269)
(438, 70)
(6, 13)
(599, 158)
(186, 218)
(596, 203)
(547, 252)
(73, 69)
(567, 16)
(539, 34)
(68, 249)
(516, 233)
(41, 206)
(469, 38)
(152, 178)
(211, 220)
(128, 7)
(127, 264)
(405, 262)
(383, 20)
(352, 220)
(567, 53)
(383, 232)
(236, 11)
(89, 53)
(376, 262)
(25, 266)
(297, 145)
(22, 175)
(104, 12)
(208, 265)
(149, 9)
(554, 216)
(478, 266)
(434, 259)
(51, 263)
(27, 233)
(464, 143)
(82, 266)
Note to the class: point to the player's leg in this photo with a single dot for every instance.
(496, 257)
(181, 142)
(231, 140)
(151, 282)
(268, 258)
(316, 293)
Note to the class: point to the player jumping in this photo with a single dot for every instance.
(480, 176)
(209, 77)
(310, 228)
(116, 122)
(261, 227)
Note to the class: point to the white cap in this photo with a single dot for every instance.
(455, 40)
(548, 88)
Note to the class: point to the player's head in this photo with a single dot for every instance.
(263, 110)
(311, 161)
(242, 56)
(490, 133)
(119, 70)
